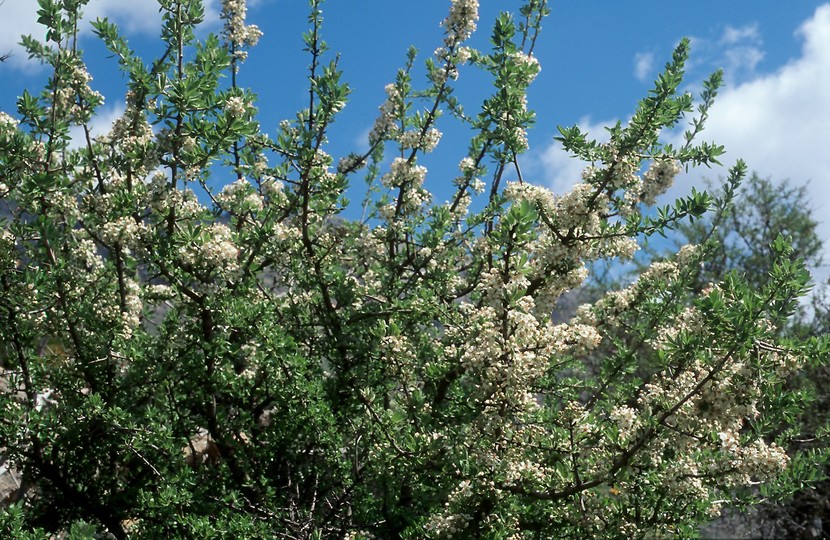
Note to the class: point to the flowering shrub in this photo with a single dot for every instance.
(259, 367)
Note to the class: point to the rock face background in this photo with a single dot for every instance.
(12, 488)
(10, 484)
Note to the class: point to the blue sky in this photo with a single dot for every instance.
(598, 58)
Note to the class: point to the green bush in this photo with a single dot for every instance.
(260, 367)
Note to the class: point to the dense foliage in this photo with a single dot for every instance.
(762, 210)
(260, 367)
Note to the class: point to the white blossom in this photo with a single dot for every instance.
(658, 178)
(238, 34)
(402, 172)
(384, 125)
(461, 21)
(7, 121)
(236, 106)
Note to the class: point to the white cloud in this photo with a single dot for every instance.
(778, 122)
(19, 17)
(738, 50)
(739, 60)
(140, 16)
(643, 65)
(134, 16)
(732, 35)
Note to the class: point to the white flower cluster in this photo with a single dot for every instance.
(157, 292)
(425, 142)
(496, 288)
(79, 73)
(576, 209)
(129, 130)
(397, 349)
(478, 186)
(620, 246)
(132, 134)
(384, 125)
(7, 122)
(517, 135)
(571, 235)
(463, 55)
(133, 308)
(687, 255)
(123, 319)
(764, 460)
(87, 254)
(512, 132)
(98, 204)
(80, 78)
(239, 34)
(403, 173)
(73, 96)
(447, 524)
(283, 232)
(660, 270)
(359, 535)
(236, 106)
(658, 178)
(524, 470)
(467, 166)
(272, 188)
(689, 321)
(161, 198)
(449, 70)
(450, 62)
(349, 163)
(125, 231)
(217, 250)
(6, 237)
(240, 197)
(573, 338)
(711, 396)
(504, 360)
(260, 165)
(622, 169)
(461, 21)
(626, 420)
(575, 214)
(528, 62)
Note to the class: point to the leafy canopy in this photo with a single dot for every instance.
(260, 367)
